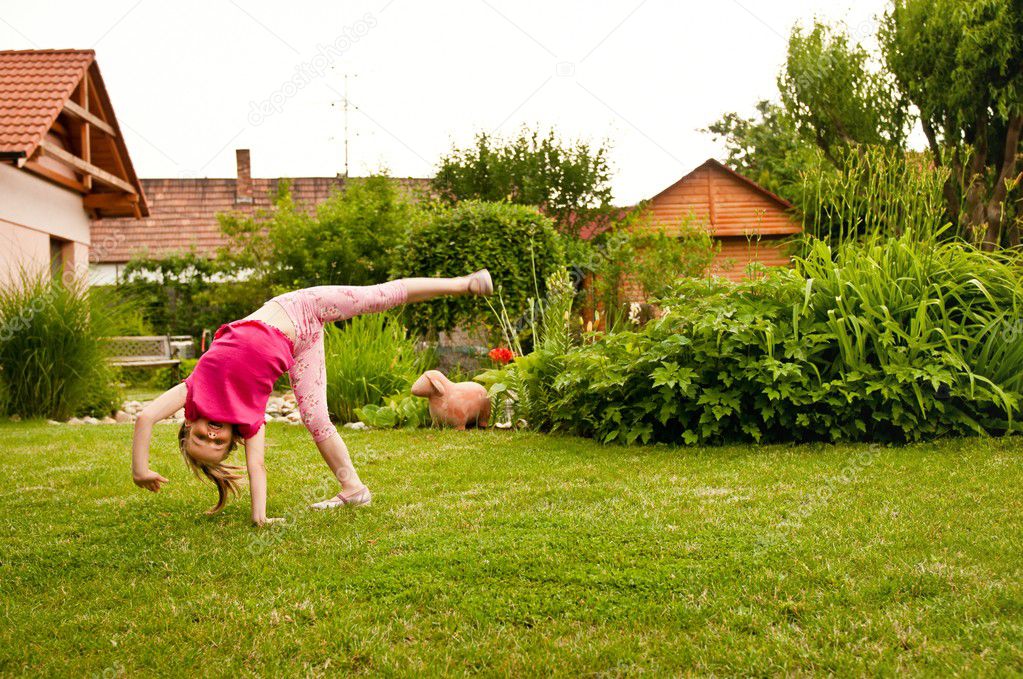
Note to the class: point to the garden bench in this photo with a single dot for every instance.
(156, 351)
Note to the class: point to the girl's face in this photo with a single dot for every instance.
(208, 441)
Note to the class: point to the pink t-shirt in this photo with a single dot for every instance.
(233, 380)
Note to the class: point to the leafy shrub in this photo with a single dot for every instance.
(166, 377)
(52, 359)
(399, 410)
(350, 240)
(516, 243)
(885, 341)
(642, 253)
(187, 366)
(660, 258)
(184, 294)
(369, 358)
(101, 398)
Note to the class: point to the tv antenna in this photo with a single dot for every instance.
(346, 125)
(345, 108)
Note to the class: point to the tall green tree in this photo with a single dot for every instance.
(836, 97)
(960, 62)
(568, 181)
(832, 96)
(954, 65)
(767, 148)
(351, 239)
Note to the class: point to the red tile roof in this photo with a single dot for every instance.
(183, 214)
(35, 89)
(34, 84)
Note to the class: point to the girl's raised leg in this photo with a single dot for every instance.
(328, 303)
(421, 289)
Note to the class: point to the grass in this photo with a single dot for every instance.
(141, 393)
(513, 553)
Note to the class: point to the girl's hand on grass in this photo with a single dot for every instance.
(266, 521)
(149, 480)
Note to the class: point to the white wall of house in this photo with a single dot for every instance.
(32, 211)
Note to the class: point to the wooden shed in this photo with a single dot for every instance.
(749, 222)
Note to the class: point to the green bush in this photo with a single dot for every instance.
(517, 244)
(640, 251)
(160, 378)
(351, 239)
(102, 397)
(185, 294)
(369, 358)
(187, 366)
(399, 410)
(52, 359)
(886, 341)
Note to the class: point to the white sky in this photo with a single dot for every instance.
(186, 77)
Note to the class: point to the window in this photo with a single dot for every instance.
(58, 253)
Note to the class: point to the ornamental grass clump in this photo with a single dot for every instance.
(52, 357)
(519, 387)
(872, 191)
(368, 359)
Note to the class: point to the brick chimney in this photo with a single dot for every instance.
(243, 187)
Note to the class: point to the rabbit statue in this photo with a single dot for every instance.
(456, 404)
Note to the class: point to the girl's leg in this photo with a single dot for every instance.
(328, 303)
(422, 289)
(335, 454)
(309, 309)
(309, 380)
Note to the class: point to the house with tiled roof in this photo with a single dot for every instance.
(183, 214)
(63, 161)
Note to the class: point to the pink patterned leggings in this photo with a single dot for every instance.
(309, 309)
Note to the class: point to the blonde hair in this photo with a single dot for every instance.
(224, 476)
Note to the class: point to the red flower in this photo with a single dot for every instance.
(501, 355)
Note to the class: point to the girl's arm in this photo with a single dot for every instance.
(165, 405)
(254, 450)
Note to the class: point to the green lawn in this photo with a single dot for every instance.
(513, 553)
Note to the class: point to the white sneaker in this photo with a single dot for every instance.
(358, 498)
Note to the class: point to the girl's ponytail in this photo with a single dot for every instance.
(225, 477)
